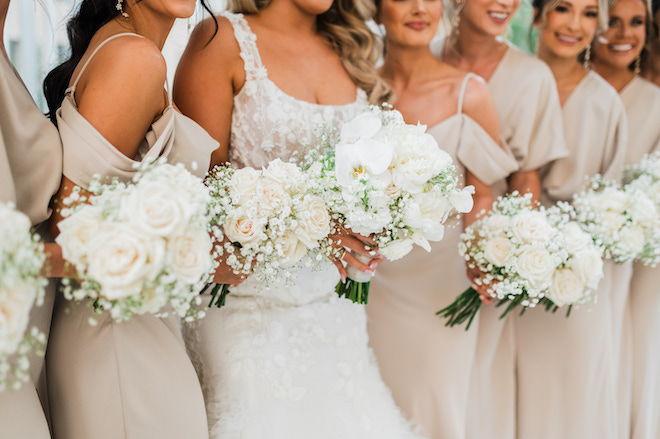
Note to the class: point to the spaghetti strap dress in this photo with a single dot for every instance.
(132, 379)
(30, 173)
(427, 365)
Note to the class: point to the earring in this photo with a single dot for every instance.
(587, 57)
(120, 8)
(638, 65)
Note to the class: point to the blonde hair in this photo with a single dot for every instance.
(344, 25)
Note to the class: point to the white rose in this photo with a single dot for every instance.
(612, 221)
(498, 250)
(588, 266)
(292, 248)
(15, 306)
(576, 238)
(497, 222)
(243, 184)
(272, 196)
(314, 223)
(642, 209)
(567, 288)
(434, 211)
(536, 265)
(15, 227)
(462, 200)
(243, 229)
(532, 226)
(396, 249)
(77, 231)
(157, 209)
(393, 191)
(416, 160)
(611, 199)
(191, 255)
(284, 173)
(121, 259)
(632, 238)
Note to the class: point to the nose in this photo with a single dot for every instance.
(418, 6)
(507, 3)
(626, 30)
(574, 23)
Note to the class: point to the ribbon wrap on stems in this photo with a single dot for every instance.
(356, 286)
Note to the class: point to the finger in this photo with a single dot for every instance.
(340, 268)
(365, 239)
(354, 262)
(359, 246)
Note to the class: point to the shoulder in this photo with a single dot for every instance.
(640, 88)
(134, 56)
(599, 90)
(525, 70)
(477, 93)
(207, 38)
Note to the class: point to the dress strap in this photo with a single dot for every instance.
(462, 93)
(110, 38)
(247, 41)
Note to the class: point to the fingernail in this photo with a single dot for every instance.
(370, 272)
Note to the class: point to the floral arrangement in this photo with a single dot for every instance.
(140, 248)
(527, 256)
(390, 180)
(271, 219)
(624, 220)
(21, 259)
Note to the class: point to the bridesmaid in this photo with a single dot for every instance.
(618, 55)
(567, 372)
(426, 365)
(530, 118)
(30, 171)
(131, 379)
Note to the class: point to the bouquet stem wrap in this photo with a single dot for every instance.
(356, 286)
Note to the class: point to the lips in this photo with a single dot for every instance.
(567, 39)
(620, 47)
(418, 25)
(499, 17)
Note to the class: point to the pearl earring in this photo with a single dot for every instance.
(120, 8)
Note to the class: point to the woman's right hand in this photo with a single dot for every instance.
(347, 241)
(224, 274)
(473, 274)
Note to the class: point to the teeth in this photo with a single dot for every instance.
(621, 47)
(499, 15)
(567, 39)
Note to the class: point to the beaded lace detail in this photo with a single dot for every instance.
(268, 123)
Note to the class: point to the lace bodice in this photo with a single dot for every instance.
(266, 122)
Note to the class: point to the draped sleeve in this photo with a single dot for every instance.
(641, 100)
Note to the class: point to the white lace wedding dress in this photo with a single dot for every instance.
(288, 361)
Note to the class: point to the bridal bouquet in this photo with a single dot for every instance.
(271, 218)
(625, 221)
(390, 180)
(527, 257)
(139, 248)
(21, 259)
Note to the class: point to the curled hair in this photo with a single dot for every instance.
(344, 26)
(91, 16)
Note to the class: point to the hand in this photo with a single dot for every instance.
(362, 245)
(473, 274)
(224, 274)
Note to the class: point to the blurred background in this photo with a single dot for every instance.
(35, 37)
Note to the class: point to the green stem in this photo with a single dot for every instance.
(464, 308)
(357, 292)
(219, 300)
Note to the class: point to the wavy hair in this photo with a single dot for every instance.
(91, 16)
(344, 26)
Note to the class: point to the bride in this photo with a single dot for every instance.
(286, 361)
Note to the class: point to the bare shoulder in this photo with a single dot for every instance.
(216, 45)
(479, 105)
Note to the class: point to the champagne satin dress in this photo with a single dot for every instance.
(641, 99)
(30, 173)
(427, 365)
(133, 379)
(568, 367)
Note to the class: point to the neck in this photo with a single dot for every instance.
(287, 17)
(616, 76)
(155, 27)
(404, 65)
(474, 46)
(563, 69)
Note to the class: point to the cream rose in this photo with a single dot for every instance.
(576, 238)
(396, 249)
(243, 184)
(272, 196)
(282, 172)
(121, 259)
(498, 250)
(632, 238)
(292, 248)
(314, 224)
(191, 255)
(497, 221)
(243, 229)
(612, 221)
(77, 231)
(531, 226)
(642, 209)
(588, 266)
(567, 288)
(155, 209)
(536, 265)
(15, 306)
(611, 199)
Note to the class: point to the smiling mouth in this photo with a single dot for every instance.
(568, 40)
(500, 16)
(620, 47)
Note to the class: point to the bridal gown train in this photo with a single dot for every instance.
(288, 361)
(30, 172)
(128, 380)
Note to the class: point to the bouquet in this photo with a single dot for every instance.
(271, 219)
(139, 248)
(624, 220)
(527, 257)
(21, 259)
(385, 178)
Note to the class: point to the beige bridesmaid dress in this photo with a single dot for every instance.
(133, 379)
(30, 173)
(567, 367)
(427, 365)
(641, 100)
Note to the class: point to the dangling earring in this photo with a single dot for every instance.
(587, 57)
(120, 8)
(638, 64)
